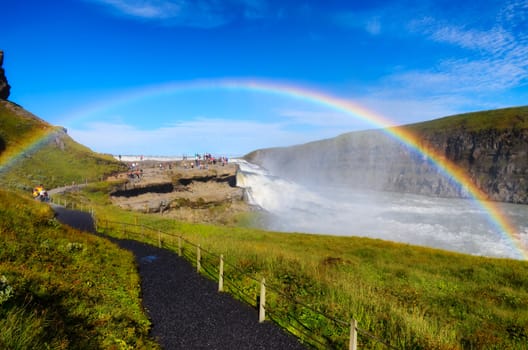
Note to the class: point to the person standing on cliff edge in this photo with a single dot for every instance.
(4, 86)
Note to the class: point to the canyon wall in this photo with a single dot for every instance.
(491, 147)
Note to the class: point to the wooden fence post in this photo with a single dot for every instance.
(179, 246)
(159, 238)
(353, 335)
(92, 214)
(262, 304)
(221, 274)
(198, 258)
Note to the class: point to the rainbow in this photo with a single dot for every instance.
(494, 213)
(26, 146)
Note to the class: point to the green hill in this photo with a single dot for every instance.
(34, 152)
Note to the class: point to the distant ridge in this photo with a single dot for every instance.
(492, 146)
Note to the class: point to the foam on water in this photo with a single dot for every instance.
(450, 224)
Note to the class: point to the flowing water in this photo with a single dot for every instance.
(452, 224)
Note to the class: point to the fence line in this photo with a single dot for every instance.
(352, 324)
(222, 281)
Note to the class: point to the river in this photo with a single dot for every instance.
(459, 225)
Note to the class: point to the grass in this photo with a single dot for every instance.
(515, 118)
(411, 297)
(62, 289)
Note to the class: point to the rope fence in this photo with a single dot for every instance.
(214, 267)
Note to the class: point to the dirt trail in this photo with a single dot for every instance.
(186, 310)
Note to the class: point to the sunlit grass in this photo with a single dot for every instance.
(64, 289)
(409, 296)
(499, 119)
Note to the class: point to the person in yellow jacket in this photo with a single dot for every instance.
(40, 193)
(37, 190)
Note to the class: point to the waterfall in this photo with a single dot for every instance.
(445, 223)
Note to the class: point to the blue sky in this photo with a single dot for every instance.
(145, 76)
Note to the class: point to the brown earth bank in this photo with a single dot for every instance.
(182, 190)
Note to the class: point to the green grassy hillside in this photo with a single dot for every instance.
(62, 289)
(34, 152)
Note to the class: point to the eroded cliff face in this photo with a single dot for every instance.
(4, 86)
(183, 193)
(493, 159)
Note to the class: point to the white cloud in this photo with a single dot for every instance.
(369, 22)
(218, 136)
(322, 119)
(408, 109)
(495, 40)
(198, 13)
(495, 57)
(514, 12)
(373, 26)
(159, 9)
(458, 76)
(484, 54)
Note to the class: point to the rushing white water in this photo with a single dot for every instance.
(451, 224)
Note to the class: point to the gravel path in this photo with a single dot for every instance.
(186, 310)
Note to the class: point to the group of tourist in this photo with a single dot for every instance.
(203, 161)
(134, 171)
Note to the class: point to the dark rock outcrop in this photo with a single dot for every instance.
(226, 176)
(132, 191)
(493, 152)
(5, 89)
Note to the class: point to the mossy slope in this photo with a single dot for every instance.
(34, 152)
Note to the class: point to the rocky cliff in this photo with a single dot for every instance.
(4, 86)
(491, 146)
(184, 193)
